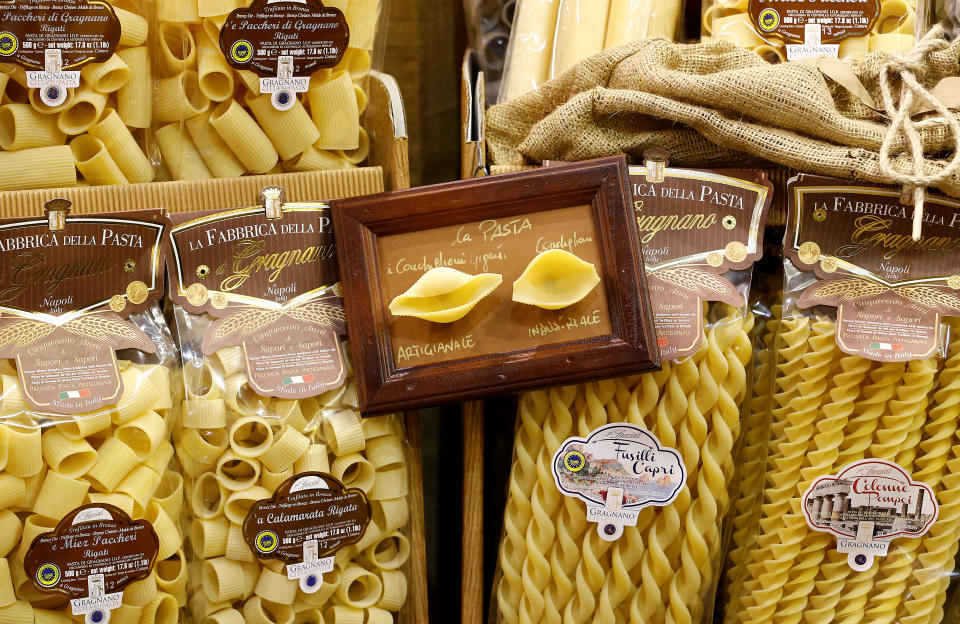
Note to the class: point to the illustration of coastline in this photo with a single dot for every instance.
(599, 474)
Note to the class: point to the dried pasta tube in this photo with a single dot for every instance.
(94, 161)
(21, 127)
(531, 47)
(41, 167)
(134, 103)
(581, 28)
(180, 154)
(84, 111)
(216, 76)
(241, 133)
(291, 131)
(108, 76)
(112, 131)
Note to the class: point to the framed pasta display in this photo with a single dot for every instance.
(466, 289)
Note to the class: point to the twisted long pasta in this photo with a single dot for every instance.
(653, 571)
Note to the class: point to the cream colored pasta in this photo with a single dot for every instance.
(180, 155)
(246, 133)
(57, 463)
(33, 134)
(287, 437)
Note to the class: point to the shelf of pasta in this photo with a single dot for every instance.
(781, 30)
(551, 36)
(298, 509)
(854, 518)
(214, 122)
(93, 132)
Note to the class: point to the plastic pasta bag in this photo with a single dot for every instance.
(856, 519)
(75, 95)
(551, 36)
(654, 552)
(790, 30)
(87, 402)
(223, 110)
(297, 507)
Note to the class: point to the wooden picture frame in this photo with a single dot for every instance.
(363, 224)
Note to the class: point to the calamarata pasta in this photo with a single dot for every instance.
(270, 403)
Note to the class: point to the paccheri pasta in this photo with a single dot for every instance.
(550, 36)
(862, 395)
(214, 120)
(52, 128)
(781, 30)
(661, 564)
(270, 409)
(84, 430)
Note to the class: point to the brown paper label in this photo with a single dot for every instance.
(313, 35)
(271, 286)
(838, 19)
(310, 506)
(84, 32)
(65, 297)
(96, 539)
(889, 290)
(695, 227)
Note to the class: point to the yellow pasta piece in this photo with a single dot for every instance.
(180, 154)
(340, 614)
(355, 62)
(245, 138)
(286, 449)
(134, 103)
(362, 16)
(160, 458)
(204, 413)
(163, 609)
(85, 109)
(316, 160)
(216, 76)
(166, 529)
(140, 593)
(358, 155)
(444, 295)
(333, 106)
(343, 432)
(85, 426)
(394, 590)
(237, 548)
(180, 97)
(94, 161)
(555, 279)
(33, 525)
(212, 8)
(31, 488)
(41, 167)
(239, 503)
(581, 29)
(207, 497)
(123, 501)
(108, 76)
(10, 531)
(223, 580)
(236, 472)
(25, 457)
(7, 596)
(140, 485)
(171, 573)
(209, 537)
(531, 46)
(225, 616)
(291, 131)
(113, 133)
(313, 460)
(138, 396)
(21, 127)
(143, 434)
(385, 451)
(169, 494)
(133, 28)
(16, 613)
(354, 470)
(176, 48)
(72, 458)
(272, 480)
(389, 552)
(359, 588)
(115, 460)
(12, 490)
(275, 587)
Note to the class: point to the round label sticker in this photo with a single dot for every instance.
(241, 51)
(574, 461)
(8, 44)
(267, 541)
(48, 575)
(769, 20)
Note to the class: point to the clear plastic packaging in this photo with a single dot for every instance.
(833, 413)
(780, 30)
(97, 133)
(550, 36)
(120, 455)
(213, 122)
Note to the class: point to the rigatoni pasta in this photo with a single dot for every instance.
(43, 135)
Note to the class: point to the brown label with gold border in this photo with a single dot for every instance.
(838, 19)
(254, 38)
(270, 284)
(889, 290)
(96, 539)
(695, 227)
(306, 507)
(65, 297)
(85, 31)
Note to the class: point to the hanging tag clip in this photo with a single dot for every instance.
(56, 211)
(656, 160)
(273, 198)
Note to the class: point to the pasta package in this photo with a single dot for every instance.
(551, 36)
(90, 503)
(264, 87)
(619, 488)
(75, 94)
(297, 507)
(781, 30)
(856, 519)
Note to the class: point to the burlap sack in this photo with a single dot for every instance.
(713, 104)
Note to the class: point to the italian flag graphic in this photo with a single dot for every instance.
(886, 346)
(75, 394)
(299, 379)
